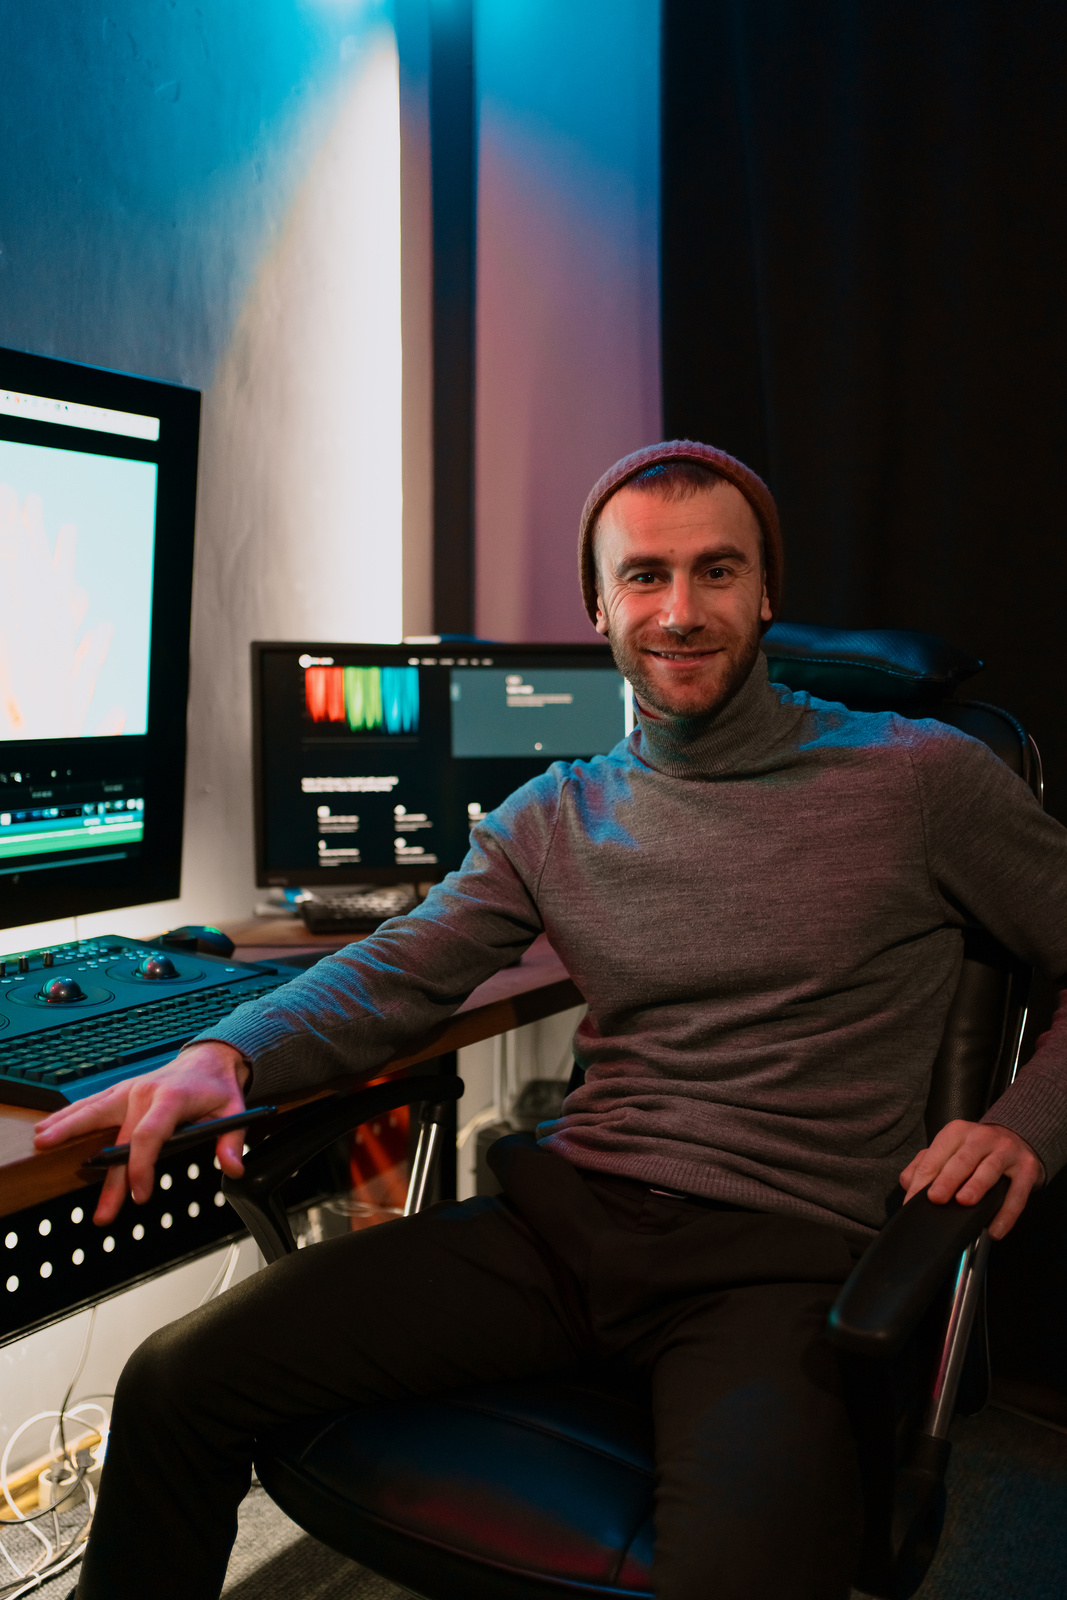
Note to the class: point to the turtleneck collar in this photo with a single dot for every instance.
(741, 738)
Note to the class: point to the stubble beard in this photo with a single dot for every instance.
(740, 658)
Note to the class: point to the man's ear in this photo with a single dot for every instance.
(765, 612)
(601, 619)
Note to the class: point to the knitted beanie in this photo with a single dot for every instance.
(753, 488)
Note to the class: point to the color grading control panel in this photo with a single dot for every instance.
(77, 1017)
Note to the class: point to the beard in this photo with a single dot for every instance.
(734, 663)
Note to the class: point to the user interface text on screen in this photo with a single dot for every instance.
(373, 763)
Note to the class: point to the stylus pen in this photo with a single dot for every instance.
(117, 1155)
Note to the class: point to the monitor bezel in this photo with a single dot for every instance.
(310, 877)
(40, 895)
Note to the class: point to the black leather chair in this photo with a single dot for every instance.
(527, 1490)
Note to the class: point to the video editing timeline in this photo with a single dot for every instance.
(72, 828)
(77, 1017)
(373, 762)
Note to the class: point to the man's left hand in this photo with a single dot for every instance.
(966, 1159)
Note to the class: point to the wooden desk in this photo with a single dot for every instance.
(538, 987)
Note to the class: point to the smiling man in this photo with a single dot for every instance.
(762, 897)
(679, 570)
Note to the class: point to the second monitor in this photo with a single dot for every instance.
(372, 762)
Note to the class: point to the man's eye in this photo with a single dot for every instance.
(718, 572)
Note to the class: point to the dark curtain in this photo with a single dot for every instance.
(864, 275)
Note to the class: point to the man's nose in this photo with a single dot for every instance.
(681, 611)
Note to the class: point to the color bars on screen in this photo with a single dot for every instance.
(369, 699)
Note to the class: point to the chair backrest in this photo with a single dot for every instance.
(917, 675)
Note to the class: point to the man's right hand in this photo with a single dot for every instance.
(204, 1082)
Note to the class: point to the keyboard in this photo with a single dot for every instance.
(357, 910)
(121, 1022)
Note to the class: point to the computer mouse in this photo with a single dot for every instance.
(198, 936)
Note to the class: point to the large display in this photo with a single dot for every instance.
(373, 761)
(97, 499)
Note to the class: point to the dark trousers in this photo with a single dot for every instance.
(757, 1488)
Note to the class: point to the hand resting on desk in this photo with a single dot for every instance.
(203, 1082)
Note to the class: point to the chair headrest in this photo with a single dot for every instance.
(872, 668)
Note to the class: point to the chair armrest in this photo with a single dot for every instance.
(895, 1281)
(303, 1135)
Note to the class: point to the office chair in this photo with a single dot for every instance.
(543, 1488)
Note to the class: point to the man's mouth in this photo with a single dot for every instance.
(683, 656)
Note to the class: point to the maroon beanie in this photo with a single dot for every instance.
(753, 488)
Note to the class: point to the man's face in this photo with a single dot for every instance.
(680, 595)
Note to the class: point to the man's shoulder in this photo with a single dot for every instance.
(830, 724)
(939, 757)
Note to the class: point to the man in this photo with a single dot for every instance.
(761, 897)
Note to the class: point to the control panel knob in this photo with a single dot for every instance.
(24, 963)
(62, 991)
(157, 967)
(48, 959)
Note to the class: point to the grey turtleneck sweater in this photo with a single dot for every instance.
(764, 912)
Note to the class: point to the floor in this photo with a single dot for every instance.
(1005, 1537)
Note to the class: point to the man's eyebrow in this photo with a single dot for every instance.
(720, 552)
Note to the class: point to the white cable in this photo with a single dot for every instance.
(479, 1120)
(74, 1552)
(75, 1411)
(235, 1256)
(223, 1277)
(86, 1342)
(41, 1416)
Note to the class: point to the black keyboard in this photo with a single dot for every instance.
(93, 1045)
(123, 1006)
(358, 910)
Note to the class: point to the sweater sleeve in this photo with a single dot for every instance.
(998, 858)
(353, 1010)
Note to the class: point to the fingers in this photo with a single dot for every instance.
(229, 1149)
(966, 1159)
(104, 1110)
(204, 1082)
(928, 1163)
(112, 1195)
(158, 1112)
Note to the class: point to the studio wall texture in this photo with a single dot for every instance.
(211, 196)
(567, 289)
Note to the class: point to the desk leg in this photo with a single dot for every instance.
(448, 1065)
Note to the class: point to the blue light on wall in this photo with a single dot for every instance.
(148, 156)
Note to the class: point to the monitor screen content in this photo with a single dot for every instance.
(374, 761)
(97, 490)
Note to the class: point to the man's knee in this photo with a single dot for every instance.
(164, 1372)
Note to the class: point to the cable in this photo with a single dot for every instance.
(63, 1553)
(479, 1120)
(78, 1370)
(223, 1277)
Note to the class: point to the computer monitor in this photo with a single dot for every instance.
(373, 761)
(97, 504)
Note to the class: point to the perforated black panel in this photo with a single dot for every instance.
(53, 1260)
